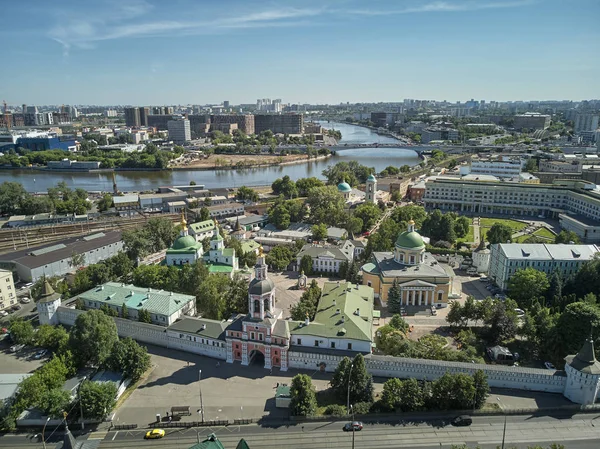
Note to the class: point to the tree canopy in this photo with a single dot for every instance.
(92, 338)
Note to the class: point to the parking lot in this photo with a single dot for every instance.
(20, 362)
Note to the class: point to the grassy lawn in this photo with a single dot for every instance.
(515, 225)
(467, 238)
(542, 233)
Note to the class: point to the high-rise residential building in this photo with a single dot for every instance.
(132, 117)
(279, 123)
(158, 110)
(225, 104)
(169, 110)
(179, 130)
(144, 113)
(159, 121)
(110, 113)
(532, 120)
(586, 122)
(244, 123)
(198, 124)
(8, 294)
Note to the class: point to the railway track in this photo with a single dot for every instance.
(21, 238)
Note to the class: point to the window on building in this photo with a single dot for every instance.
(299, 341)
(349, 345)
(369, 283)
(317, 343)
(260, 337)
(333, 344)
(440, 296)
(252, 335)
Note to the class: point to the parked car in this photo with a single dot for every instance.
(549, 366)
(3, 313)
(41, 353)
(433, 311)
(353, 426)
(25, 300)
(462, 420)
(16, 307)
(484, 279)
(520, 313)
(15, 348)
(154, 434)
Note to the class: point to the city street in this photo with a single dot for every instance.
(581, 431)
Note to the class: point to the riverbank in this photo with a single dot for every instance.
(244, 161)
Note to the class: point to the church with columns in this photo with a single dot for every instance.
(421, 279)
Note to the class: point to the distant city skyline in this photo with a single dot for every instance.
(185, 52)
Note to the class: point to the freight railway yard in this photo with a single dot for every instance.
(13, 239)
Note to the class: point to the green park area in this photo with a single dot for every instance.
(542, 233)
(469, 238)
(487, 223)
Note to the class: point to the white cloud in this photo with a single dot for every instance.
(442, 6)
(126, 20)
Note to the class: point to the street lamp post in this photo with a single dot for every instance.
(200, 389)
(348, 399)
(43, 430)
(81, 402)
(504, 430)
(353, 429)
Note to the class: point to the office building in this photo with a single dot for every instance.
(39, 141)
(502, 168)
(165, 307)
(132, 117)
(439, 133)
(8, 295)
(245, 123)
(226, 104)
(566, 259)
(532, 121)
(179, 130)
(586, 122)
(56, 259)
(279, 123)
(575, 203)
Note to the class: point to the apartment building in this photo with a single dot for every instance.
(510, 168)
(132, 117)
(279, 123)
(8, 295)
(179, 130)
(532, 120)
(566, 200)
(245, 123)
(554, 166)
(586, 122)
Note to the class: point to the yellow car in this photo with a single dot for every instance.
(154, 434)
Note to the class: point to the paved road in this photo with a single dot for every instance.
(575, 432)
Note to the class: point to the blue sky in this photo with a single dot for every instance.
(198, 51)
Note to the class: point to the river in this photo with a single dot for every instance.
(39, 181)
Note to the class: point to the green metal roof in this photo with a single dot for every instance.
(344, 187)
(370, 268)
(230, 252)
(328, 323)
(183, 242)
(249, 245)
(219, 268)
(410, 240)
(203, 226)
(371, 178)
(155, 301)
(211, 442)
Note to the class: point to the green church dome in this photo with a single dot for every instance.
(344, 187)
(371, 178)
(410, 239)
(183, 242)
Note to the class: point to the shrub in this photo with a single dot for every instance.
(335, 410)
(362, 408)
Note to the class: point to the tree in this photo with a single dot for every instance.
(144, 316)
(21, 332)
(326, 205)
(97, 399)
(105, 202)
(407, 213)
(305, 184)
(453, 392)
(527, 285)
(502, 321)
(394, 299)
(319, 231)
(455, 315)
(574, 325)
(399, 323)
(54, 402)
(307, 306)
(306, 264)
(369, 213)
(279, 257)
(11, 196)
(77, 260)
(358, 378)
(92, 338)
(50, 337)
(461, 226)
(482, 388)
(412, 396)
(303, 399)
(499, 233)
(567, 237)
(246, 193)
(391, 397)
(285, 186)
(354, 225)
(279, 215)
(211, 297)
(204, 214)
(129, 358)
(530, 165)
(446, 230)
